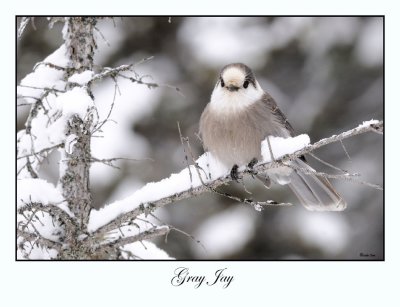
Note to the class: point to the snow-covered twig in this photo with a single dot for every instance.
(53, 20)
(374, 126)
(22, 25)
(110, 72)
(37, 239)
(145, 208)
(59, 215)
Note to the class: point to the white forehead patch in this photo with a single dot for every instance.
(233, 74)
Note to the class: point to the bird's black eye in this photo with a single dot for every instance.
(222, 83)
(246, 84)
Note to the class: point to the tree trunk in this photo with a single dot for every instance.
(75, 163)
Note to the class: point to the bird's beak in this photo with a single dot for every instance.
(232, 88)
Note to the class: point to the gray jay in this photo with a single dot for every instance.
(239, 116)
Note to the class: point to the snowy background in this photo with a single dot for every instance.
(326, 74)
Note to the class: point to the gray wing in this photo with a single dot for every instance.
(277, 114)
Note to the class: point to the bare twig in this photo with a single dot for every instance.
(184, 151)
(180, 231)
(30, 169)
(345, 150)
(43, 88)
(101, 124)
(117, 72)
(109, 162)
(51, 65)
(102, 36)
(151, 85)
(270, 149)
(327, 163)
(44, 150)
(347, 176)
(145, 235)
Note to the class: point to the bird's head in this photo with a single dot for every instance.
(236, 88)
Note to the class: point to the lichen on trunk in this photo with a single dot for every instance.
(74, 169)
(75, 176)
(80, 42)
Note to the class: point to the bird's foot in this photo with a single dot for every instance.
(250, 166)
(234, 173)
(253, 162)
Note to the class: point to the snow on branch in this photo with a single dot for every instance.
(184, 185)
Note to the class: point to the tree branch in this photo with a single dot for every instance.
(59, 215)
(27, 236)
(212, 185)
(145, 235)
(44, 150)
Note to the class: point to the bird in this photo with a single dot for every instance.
(238, 117)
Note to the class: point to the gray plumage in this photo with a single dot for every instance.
(234, 137)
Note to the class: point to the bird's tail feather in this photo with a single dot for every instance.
(314, 192)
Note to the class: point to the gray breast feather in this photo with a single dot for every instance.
(236, 138)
